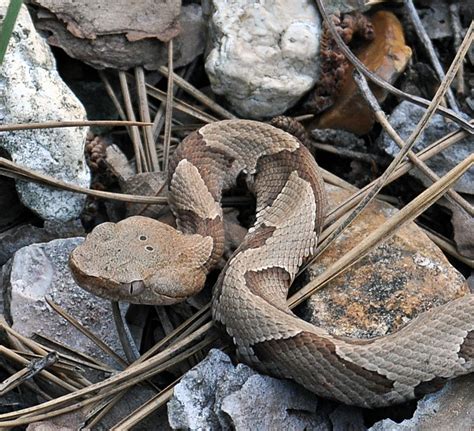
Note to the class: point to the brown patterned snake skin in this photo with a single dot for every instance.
(144, 261)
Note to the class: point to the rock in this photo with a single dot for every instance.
(215, 395)
(32, 90)
(87, 19)
(435, 17)
(116, 51)
(404, 119)
(387, 56)
(12, 209)
(281, 405)
(401, 278)
(20, 236)
(451, 408)
(463, 227)
(264, 55)
(41, 270)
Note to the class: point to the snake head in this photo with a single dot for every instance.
(141, 260)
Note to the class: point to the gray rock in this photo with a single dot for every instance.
(404, 119)
(41, 270)
(451, 408)
(17, 237)
(31, 90)
(264, 55)
(215, 395)
(116, 51)
(265, 403)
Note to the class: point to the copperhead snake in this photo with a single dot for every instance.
(145, 261)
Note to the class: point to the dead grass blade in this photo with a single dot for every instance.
(169, 108)
(382, 119)
(148, 408)
(85, 331)
(150, 148)
(198, 95)
(58, 124)
(134, 133)
(13, 170)
(34, 367)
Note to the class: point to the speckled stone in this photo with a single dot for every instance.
(41, 271)
(404, 276)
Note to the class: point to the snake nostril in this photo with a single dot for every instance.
(142, 238)
(149, 248)
(136, 287)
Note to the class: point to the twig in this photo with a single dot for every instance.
(85, 331)
(145, 410)
(169, 108)
(58, 124)
(34, 367)
(382, 119)
(349, 154)
(198, 95)
(428, 46)
(381, 82)
(135, 135)
(129, 348)
(13, 170)
(150, 147)
(447, 246)
(457, 31)
(382, 180)
(179, 105)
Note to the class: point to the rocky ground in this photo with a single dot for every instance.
(231, 59)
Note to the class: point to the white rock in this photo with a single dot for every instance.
(31, 90)
(265, 55)
(41, 270)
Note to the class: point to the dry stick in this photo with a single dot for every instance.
(115, 384)
(11, 169)
(148, 408)
(135, 135)
(381, 82)
(382, 119)
(96, 340)
(424, 155)
(180, 105)
(159, 120)
(457, 30)
(169, 108)
(150, 147)
(385, 231)
(198, 95)
(131, 351)
(45, 374)
(134, 371)
(33, 368)
(381, 181)
(349, 154)
(30, 385)
(426, 42)
(110, 91)
(58, 124)
(447, 246)
(183, 330)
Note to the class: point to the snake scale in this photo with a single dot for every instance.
(144, 261)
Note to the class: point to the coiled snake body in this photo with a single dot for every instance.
(145, 261)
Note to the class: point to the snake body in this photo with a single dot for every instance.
(249, 299)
